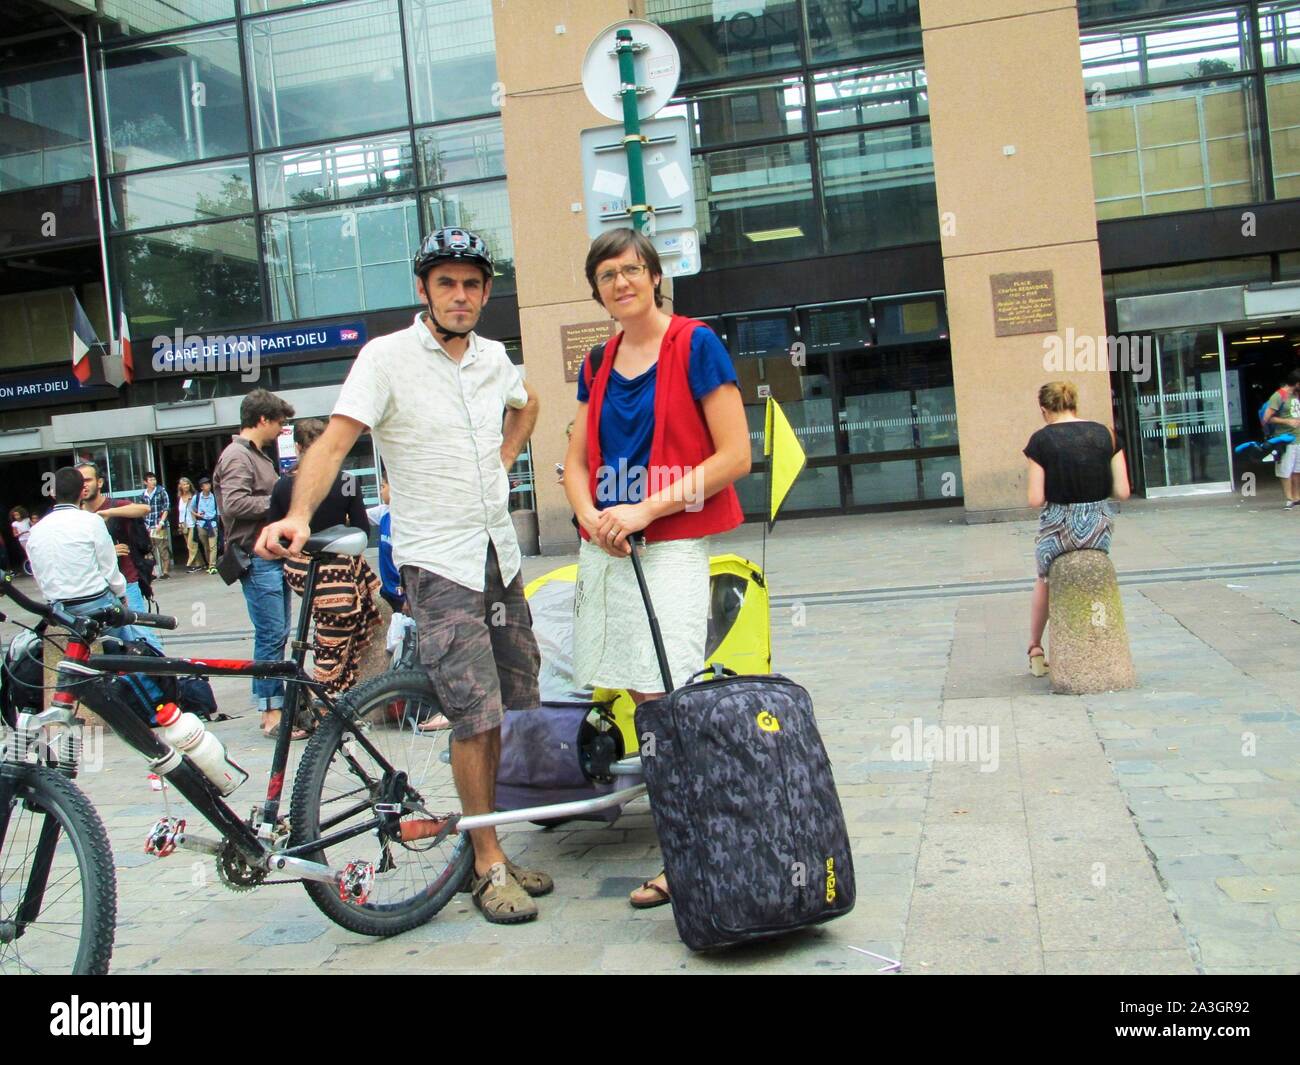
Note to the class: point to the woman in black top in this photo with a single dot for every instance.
(1074, 465)
(343, 607)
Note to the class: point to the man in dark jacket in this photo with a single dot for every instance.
(245, 474)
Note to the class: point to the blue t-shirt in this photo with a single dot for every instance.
(627, 418)
(388, 575)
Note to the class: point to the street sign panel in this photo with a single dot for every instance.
(658, 68)
(669, 181)
(679, 251)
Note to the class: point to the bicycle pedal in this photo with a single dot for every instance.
(164, 837)
(356, 882)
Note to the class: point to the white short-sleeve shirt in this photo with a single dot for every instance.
(438, 426)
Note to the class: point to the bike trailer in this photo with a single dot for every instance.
(753, 836)
(561, 751)
(739, 633)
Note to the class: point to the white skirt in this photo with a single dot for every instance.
(612, 647)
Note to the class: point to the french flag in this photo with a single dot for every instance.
(83, 339)
(124, 345)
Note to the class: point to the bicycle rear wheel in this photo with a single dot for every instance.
(58, 895)
(338, 784)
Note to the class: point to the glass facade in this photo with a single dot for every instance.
(870, 397)
(320, 74)
(197, 278)
(280, 161)
(37, 326)
(1192, 111)
(44, 126)
(453, 68)
(332, 260)
(832, 156)
(174, 100)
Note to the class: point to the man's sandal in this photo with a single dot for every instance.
(662, 897)
(533, 881)
(500, 898)
(1037, 662)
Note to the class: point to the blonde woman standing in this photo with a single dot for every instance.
(1074, 467)
(185, 522)
(658, 440)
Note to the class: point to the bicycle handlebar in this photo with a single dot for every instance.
(114, 616)
(108, 617)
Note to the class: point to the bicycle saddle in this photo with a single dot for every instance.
(337, 540)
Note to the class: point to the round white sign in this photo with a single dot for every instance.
(658, 68)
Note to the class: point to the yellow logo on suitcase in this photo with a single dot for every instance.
(830, 879)
(768, 722)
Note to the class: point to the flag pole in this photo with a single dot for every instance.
(768, 450)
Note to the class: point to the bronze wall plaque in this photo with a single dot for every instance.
(577, 340)
(1024, 303)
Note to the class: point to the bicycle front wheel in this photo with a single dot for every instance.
(338, 785)
(58, 895)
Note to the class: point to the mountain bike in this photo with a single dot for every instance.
(372, 830)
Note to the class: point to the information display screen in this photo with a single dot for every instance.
(908, 321)
(842, 327)
(761, 334)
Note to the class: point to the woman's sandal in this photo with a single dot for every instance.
(1037, 662)
(662, 899)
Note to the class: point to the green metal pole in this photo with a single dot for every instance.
(642, 214)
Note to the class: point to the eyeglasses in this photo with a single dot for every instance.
(630, 271)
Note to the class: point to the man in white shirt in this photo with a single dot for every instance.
(73, 557)
(433, 397)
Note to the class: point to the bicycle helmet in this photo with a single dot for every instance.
(453, 244)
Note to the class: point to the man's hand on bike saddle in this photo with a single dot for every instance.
(283, 538)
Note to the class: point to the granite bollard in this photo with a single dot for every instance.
(1089, 640)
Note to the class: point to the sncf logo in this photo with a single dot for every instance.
(768, 722)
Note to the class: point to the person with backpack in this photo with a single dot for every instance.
(1282, 414)
(205, 524)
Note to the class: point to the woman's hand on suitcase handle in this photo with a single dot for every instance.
(618, 523)
(590, 521)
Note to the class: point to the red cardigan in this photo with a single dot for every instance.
(681, 436)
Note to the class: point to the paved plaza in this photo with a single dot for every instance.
(1148, 831)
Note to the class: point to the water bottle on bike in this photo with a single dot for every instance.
(189, 735)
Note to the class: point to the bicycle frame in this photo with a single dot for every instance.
(94, 688)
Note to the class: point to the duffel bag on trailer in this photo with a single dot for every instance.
(556, 753)
(752, 832)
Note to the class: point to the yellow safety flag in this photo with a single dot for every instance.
(785, 456)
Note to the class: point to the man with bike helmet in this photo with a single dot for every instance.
(433, 396)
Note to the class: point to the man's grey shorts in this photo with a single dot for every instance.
(478, 647)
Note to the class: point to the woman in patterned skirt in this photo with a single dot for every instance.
(343, 609)
(1074, 467)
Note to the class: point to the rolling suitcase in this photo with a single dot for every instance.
(752, 833)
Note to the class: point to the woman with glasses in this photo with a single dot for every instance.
(658, 441)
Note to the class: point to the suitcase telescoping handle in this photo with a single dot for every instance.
(633, 541)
